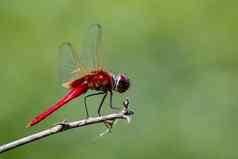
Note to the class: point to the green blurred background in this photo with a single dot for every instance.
(181, 57)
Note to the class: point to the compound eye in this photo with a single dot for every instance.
(123, 84)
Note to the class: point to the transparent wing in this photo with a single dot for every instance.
(73, 65)
(69, 66)
(91, 50)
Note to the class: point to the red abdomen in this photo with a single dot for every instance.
(75, 92)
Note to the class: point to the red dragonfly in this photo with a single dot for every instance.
(97, 79)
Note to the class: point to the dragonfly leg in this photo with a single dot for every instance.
(85, 101)
(102, 101)
(115, 108)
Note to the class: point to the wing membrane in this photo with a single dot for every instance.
(69, 65)
(72, 65)
(91, 52)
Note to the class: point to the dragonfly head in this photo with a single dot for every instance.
(121, 83)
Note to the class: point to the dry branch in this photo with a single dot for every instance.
(63, 126)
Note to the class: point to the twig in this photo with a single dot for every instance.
(63, 126)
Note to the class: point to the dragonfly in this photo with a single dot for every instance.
(96, 78)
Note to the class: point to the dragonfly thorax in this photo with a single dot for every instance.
(121, 83)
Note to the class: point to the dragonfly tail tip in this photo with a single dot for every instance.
(28, 125)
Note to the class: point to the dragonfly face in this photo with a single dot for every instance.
(121, 83)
